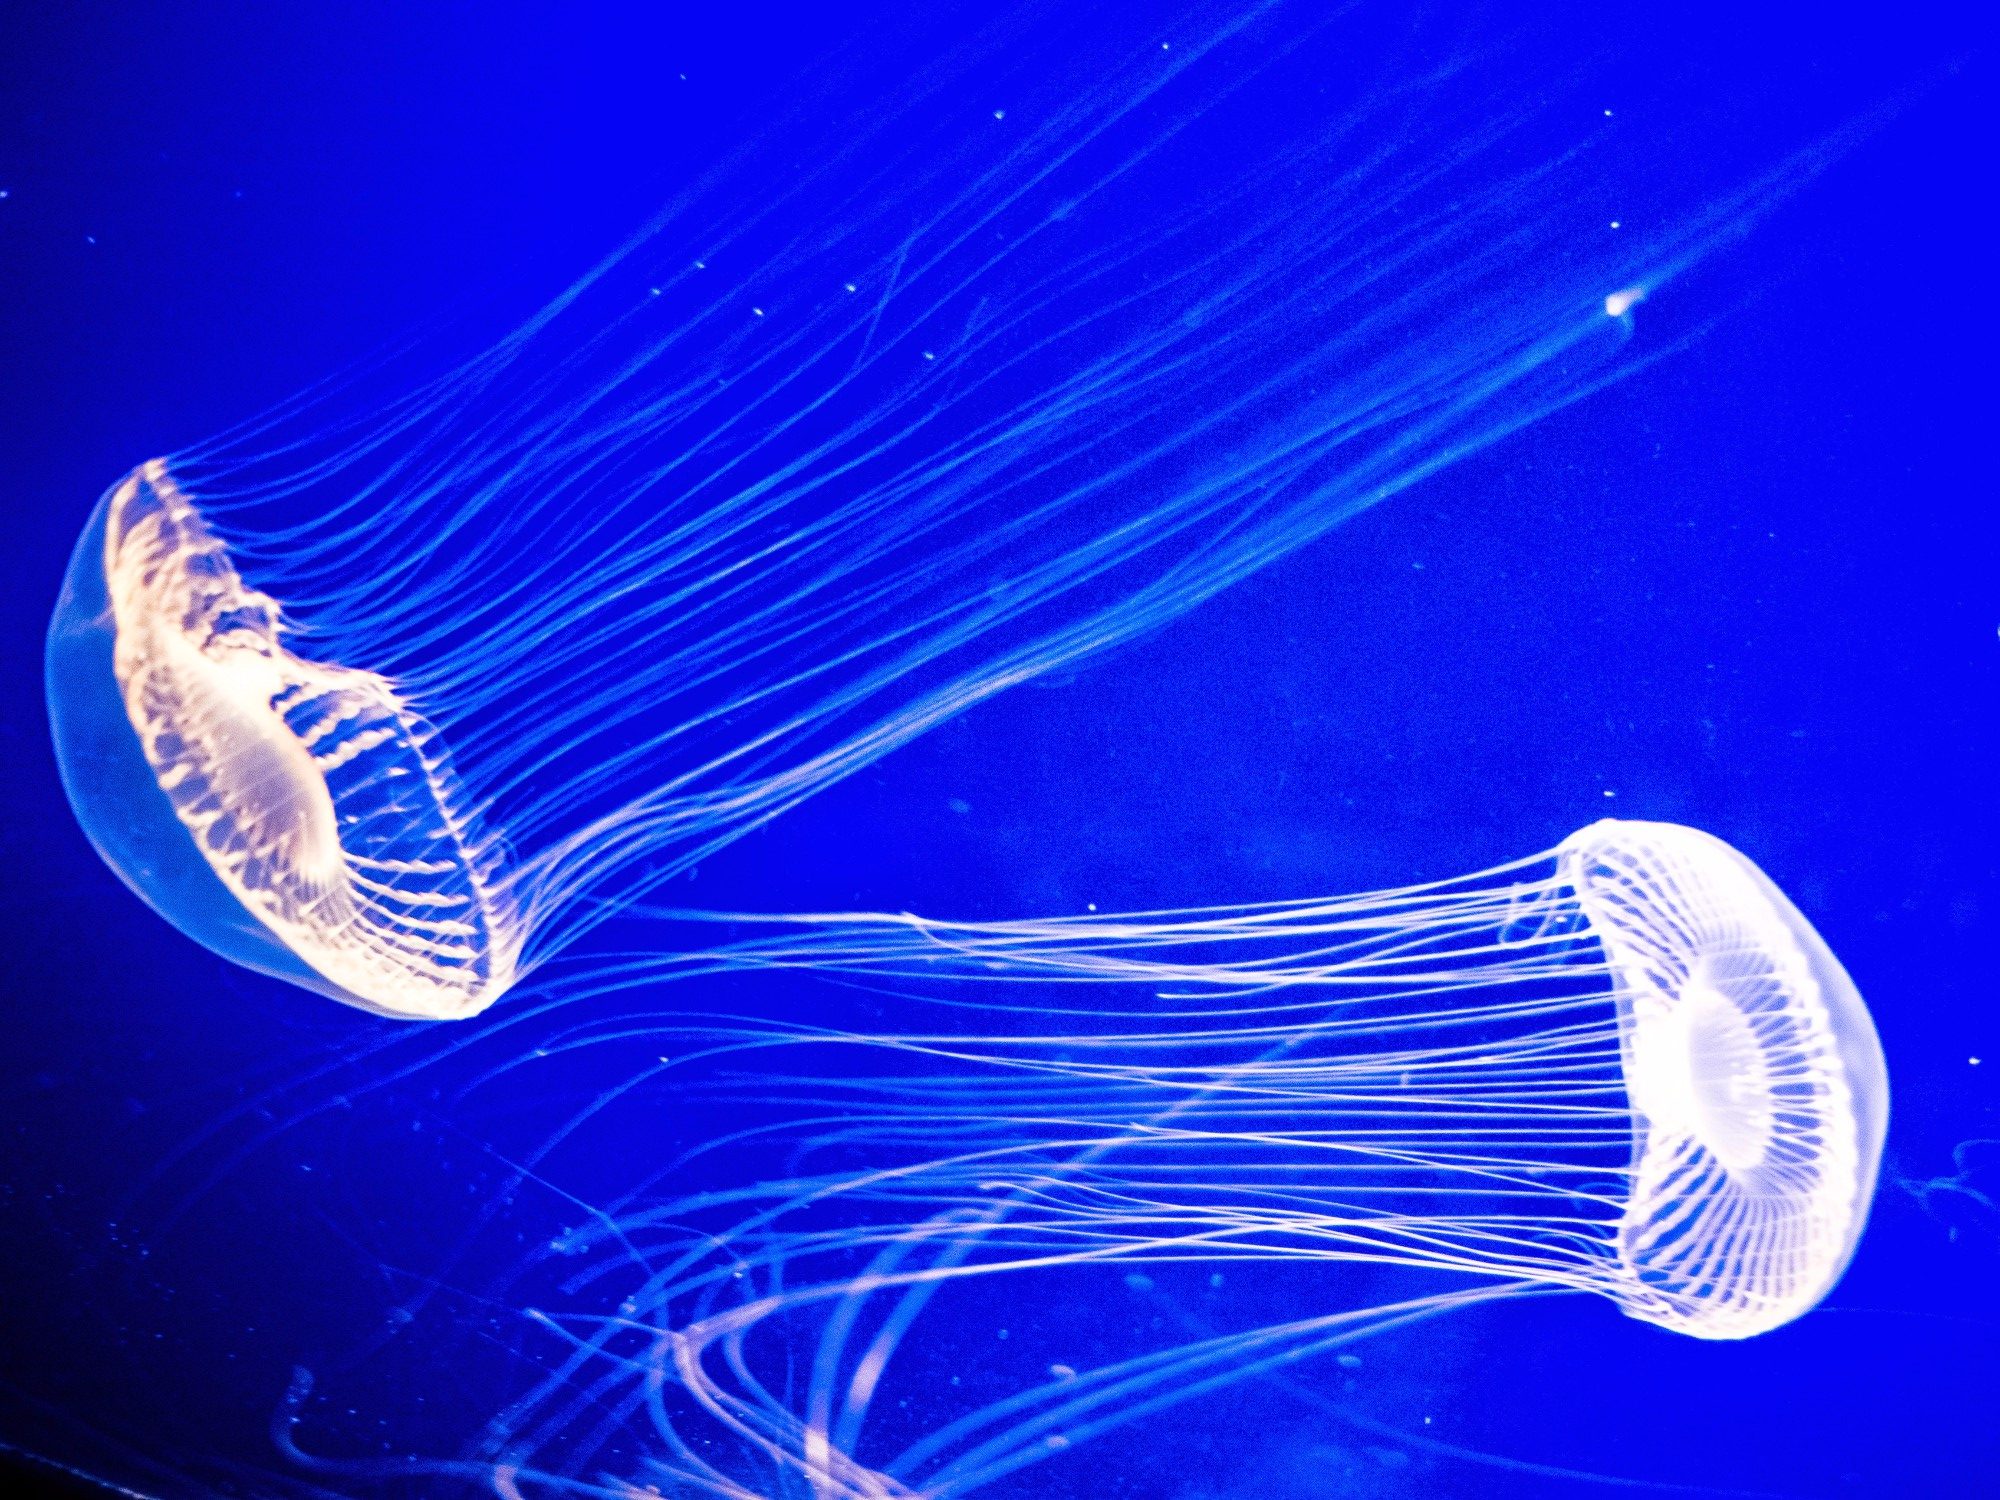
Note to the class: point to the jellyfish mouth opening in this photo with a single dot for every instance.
(1700, 1068)
(318, 797)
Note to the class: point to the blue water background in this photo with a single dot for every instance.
(1752, 588)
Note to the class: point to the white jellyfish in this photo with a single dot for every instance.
(398, 696)
(336, 848)
(1628, 1068)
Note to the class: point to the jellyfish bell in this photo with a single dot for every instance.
(295, 816)
(1756, 1082)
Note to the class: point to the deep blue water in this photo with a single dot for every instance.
(1752, 588)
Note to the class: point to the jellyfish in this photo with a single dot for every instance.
(1627, 1068)
(398, 690)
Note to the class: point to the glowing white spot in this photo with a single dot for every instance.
(1620, 303)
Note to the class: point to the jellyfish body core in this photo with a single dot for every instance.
(318, 801)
